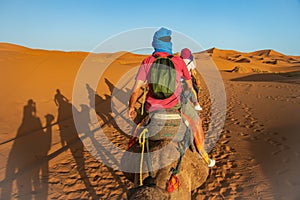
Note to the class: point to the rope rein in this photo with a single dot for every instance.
(142, 140)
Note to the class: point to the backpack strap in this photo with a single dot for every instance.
(155, 56)
(189, 63)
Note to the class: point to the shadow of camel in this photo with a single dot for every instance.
(73, 137)
(102, 107)
(70, 138)
(26, 164)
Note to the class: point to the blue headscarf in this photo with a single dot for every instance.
(159, 45)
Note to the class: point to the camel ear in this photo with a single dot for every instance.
(49, 117)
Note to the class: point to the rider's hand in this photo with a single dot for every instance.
(131, 113)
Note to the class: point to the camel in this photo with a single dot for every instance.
(193, 170)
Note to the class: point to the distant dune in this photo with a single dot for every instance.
(42, 157)
(257, 61)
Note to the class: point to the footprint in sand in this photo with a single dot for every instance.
(283, 138)
(244, 134)
(257, 130)
(254, 138)
(237, 123)
(282, 148)
(285, 160)
(282, 171)
(247, 116)
(233, 119)
(230, 164)
(273, 142)
(228, 148)
(226, 131)
(236, 175)
(225, 136)
(224, 156)
(224, 141)
(249, 126)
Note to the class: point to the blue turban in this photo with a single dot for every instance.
(159, 43)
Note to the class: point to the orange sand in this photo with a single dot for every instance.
(257, 155)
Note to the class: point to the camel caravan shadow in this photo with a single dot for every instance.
(69, 135)
(27, 168)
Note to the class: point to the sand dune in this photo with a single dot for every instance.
(258, 61)
(257, 155)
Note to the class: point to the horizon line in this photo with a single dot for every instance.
(81, 51)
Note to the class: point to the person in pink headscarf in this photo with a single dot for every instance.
(188, 58)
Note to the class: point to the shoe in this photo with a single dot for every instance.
(198, 107)
(212, 163)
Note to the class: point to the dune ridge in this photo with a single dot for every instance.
(266, 61)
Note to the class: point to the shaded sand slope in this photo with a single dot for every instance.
(275, 103)
(257, 154)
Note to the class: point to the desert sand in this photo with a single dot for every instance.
(42, 157)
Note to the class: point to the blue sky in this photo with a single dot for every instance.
(72, 25)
